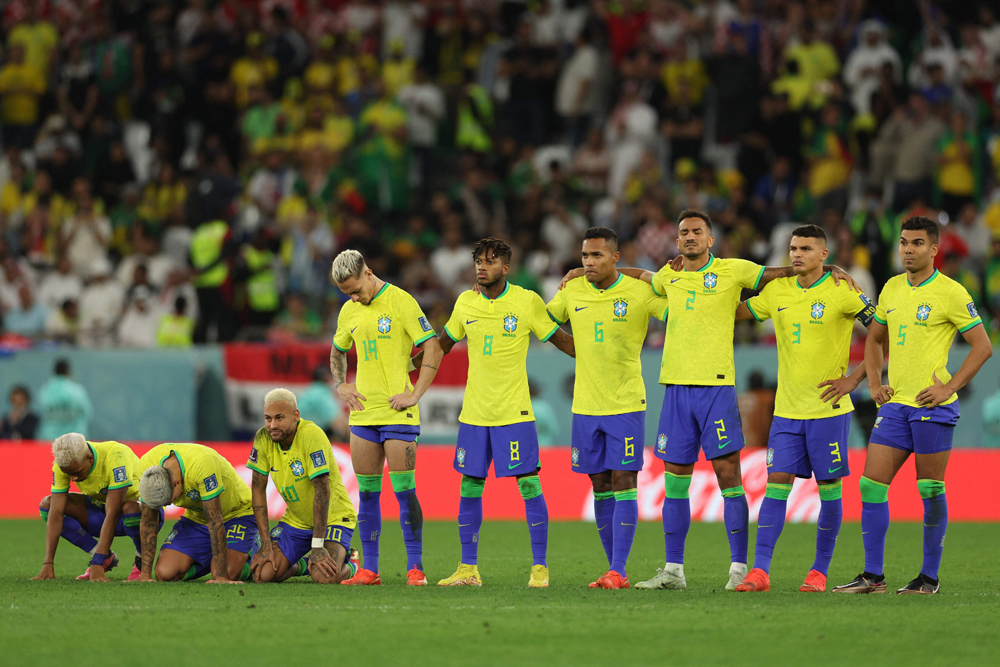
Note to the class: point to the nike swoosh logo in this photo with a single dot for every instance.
(923, 419)
(822, 528)
(733, 532)
(865, 532)
(674, 280)
(275, 470)
(832, 470)
(602, 527)
(771, 526)
(932, 525)
(723, 445)
(537, 524)
(352, 330)
(629, 524)
(511, 466)
(407, 523)
(625, 463)
(463, 525)
(579, 309)
(470, 321)
(781, 309)
(889, 311)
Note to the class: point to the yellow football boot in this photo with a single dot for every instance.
(539, 577)
(465, 575)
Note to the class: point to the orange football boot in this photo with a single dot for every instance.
(416, 578)
(612, 579)
(815, 583)
(756, 581)
(363, 578)
(110, 563)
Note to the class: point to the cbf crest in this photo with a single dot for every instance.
(923, 312)
(816, 310)
(770, 456)
(661, 443)
(384, 324)
(460, 457)
(510, 323)
(575, 456)
(620, 308)
(711, 280)
(193, 494)
(297, 468)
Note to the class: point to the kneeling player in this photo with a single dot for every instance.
(813, 322)
(319, 520)
(216, 533)
(107, 474)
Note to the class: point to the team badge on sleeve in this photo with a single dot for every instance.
(119, 474)
(972, 310)
(297, 468)
(319, 461)
(253, 455)
(211, 483)
(424, 324)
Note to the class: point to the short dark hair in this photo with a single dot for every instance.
(609, 236)
(691, 213)
(499, 247)
(918, 223)
(62, 367)
(809, 232)
(20, 388)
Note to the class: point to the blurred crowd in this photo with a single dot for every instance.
(178, 172)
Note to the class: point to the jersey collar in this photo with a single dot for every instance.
(499, 296)
(93, 452)
(384, 286)
(926, 282)
(826, 275)
(180, 461)
(711, 258)
(609, 287)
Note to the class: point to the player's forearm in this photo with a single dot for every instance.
(258, 491)
(53, 529)
(112, 510)
(874, 359)
(773, 273)
(148, 528)
(638, 274)
(858, 374)
(321, 505)
(974, 360)
(564, 343)
(217, 536)
(338, 366)
(428, 368)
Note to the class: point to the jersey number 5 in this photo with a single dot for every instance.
(901, 335)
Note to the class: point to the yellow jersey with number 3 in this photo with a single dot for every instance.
(115, 467)
(205, 475)
(813, 327)
(922, 322)
(496, 392)
(293, 471)
(699, 346)
(609, 327)
(385, 332)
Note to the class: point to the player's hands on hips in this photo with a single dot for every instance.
(881, 393)
(839, 274)
(349, 394)
(934, 395)
(403, 401)
(321, 561)
(97, 573)
(573, 273)
(48, 572)
(837, 389)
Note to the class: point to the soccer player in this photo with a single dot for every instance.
(497, 423)
(919, 312)
(319, 519)
(609, 313)
(385, 323)
(813, 323)
(217, 532)
(107, 474)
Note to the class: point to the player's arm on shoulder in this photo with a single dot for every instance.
(215, 522)
(757, 307)
(743, 313)
(563, 342)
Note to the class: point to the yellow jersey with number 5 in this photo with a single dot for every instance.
(922, 322)
(385, 332)
(609, 327)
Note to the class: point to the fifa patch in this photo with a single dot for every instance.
(972, 310)
(253, 455)
(816, 310)
(661, 443)
(510, 323)
(384, 324)
(711, 280)
(211, 483)
(170, 537)
(275, 532)
(620, 308)
(424, 324)
(770, 456)
(460, 457)
(119, 474)
(319, 461)
(575, 456)
(297, 469)
(923, 312)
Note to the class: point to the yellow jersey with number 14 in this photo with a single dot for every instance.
(609, 327)
(115, 467)
(699, 346)
(496, 392)
(813, 326)
(922, 322)
(385, 332)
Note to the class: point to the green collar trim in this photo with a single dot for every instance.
(93, 452)
(711, 258)
(180, 461)
(501, 295)
(609, 287)
(826, 274)
(926, 282)
(384, 286)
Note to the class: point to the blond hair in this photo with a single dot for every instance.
(348, 264)
(156, 488)
(69, 449)
(281, 395)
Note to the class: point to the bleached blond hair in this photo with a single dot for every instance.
(348, 264)
(69, 449)
(281, 395)
(156, 488)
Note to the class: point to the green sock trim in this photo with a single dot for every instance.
(676, 486)
(402, 480)
(132, 521)
(604, 495)
(530, 487)
(44, 514)
(472, 487)
(302, 566)
(245, 573)
(873, 492)
(354, 569)
(627, 494)
(930, 487)
(777, 491)
(734, 492)
(190, 574)
(369, 483)
(833, 491)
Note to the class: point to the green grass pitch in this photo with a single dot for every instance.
(66, 622)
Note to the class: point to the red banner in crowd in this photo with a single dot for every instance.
(568, 494)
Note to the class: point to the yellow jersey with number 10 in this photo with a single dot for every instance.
(115, 467)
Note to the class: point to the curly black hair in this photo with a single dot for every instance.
(500, 249)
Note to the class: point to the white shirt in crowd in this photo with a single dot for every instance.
(57, 287)
(579, 70)
(425, 107)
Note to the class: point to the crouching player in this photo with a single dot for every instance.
(216, 533)
(319, 520)
(107, 474)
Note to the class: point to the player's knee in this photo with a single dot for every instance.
(166, 572)
(729, 480)
(602, 482)
(321, 578)
(472, 487)
(130, 507)
(780, 478)
(45, 503)
(530, 487)
(873, 492)
(234, 571)
(266, 573)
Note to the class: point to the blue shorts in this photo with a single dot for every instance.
(697, 416)
(513, 449)
(608, 442)
(807, 447)
(297, 542)
(95, 519)
(192, 539)
(379, 434)
(917, 430)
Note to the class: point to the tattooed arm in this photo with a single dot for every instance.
(432, 355)
(217, 535)
(258, 487)
(149, 526)
(320, 559)
(347, 392)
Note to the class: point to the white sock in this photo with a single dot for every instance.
(92, 551)
(674, 568)
(738, 567)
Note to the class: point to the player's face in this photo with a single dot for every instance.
(280, 419)
(694, 238)
(79, 470)
(807, 253)
(489, 269)
(361, 289)
(916, 250)
(598, 259)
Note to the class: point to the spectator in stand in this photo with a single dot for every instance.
(141, 322)
(100, 306)
(866, 60)
(60, 285)
(958, 174)
(64, 405)
(63, 323)
(631, 130)
(319, 405)
(297, 321)
(576, 92)
(425, 109)
(21, 89)
(86, 233)
(451, 259)
(176, 329)
(20, 423)
(28, 317)
(904, 152)
(829, 163)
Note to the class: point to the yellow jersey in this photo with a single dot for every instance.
(699, 346)
(498, 330)
(115, 467)
(609, 327)
(922, 322)
(205, 475)
(293, 470)
(813, 326)
(385, 331)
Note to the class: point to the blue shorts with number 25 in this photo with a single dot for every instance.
(192, 539)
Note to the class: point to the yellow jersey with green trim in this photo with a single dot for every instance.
(699, 346)
(385, 332)
(205, 474)
(813, 327)
(496, 392)
(609, 327)
(293, 471)
(922, 322)
(115, 467)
